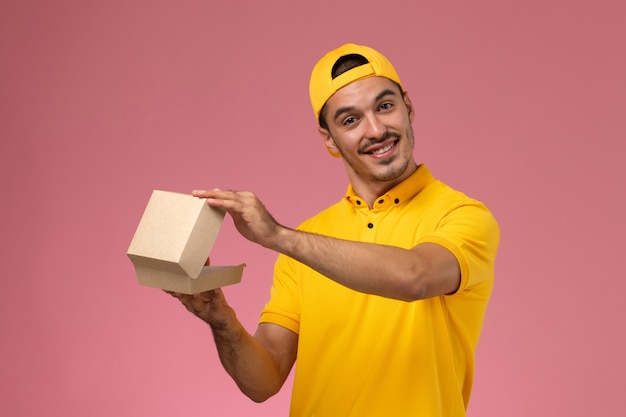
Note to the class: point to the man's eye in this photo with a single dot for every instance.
(349, 120)
(385, 106)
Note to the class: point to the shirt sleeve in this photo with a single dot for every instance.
(284, 305)
(472, 234)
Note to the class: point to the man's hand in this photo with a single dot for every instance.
(210, 306)
(250, 216)
(259, 364)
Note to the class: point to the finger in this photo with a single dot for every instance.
(198, 303)
(204, 193)
(206, 296)
(231, 201)
(172, 293)
(223, 194)
(228, 204)
(183, 298)
(219, 198)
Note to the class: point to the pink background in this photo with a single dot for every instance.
(520, 104)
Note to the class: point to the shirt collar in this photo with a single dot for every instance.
(399, 194)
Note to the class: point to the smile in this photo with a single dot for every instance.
(383, 150)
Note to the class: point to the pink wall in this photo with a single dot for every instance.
(519, 105)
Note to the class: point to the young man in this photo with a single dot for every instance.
(381, 297)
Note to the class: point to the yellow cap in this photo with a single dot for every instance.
(322, 85)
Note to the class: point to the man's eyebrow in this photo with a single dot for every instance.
(342, 110)
(348, 109)
(385, 93)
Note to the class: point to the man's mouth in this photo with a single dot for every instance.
(384, 149)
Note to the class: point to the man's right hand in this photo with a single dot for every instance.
(210, 306)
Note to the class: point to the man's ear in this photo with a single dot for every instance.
(329, 143)
(409, 106)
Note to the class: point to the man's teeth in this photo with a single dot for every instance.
(383, 150)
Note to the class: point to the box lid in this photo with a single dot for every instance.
(176, 231)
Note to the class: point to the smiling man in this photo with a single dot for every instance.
(379, 300)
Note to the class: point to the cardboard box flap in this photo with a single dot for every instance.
(176, 232)
(210, 278)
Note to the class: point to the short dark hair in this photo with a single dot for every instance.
(344, 64)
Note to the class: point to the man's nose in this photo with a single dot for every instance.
(375, 128)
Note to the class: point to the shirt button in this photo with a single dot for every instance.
(370, 225)
(396, 200)
(358, 202)
(381, 201)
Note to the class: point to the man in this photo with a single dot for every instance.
(380, 297)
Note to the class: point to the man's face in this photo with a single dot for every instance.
(369, 126)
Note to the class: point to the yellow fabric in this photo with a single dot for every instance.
(321, 84)
(364, 355)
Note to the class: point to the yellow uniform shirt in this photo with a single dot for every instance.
(363, 355)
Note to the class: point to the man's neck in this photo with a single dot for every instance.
(371, 190)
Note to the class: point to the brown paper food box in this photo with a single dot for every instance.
(173, 241)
